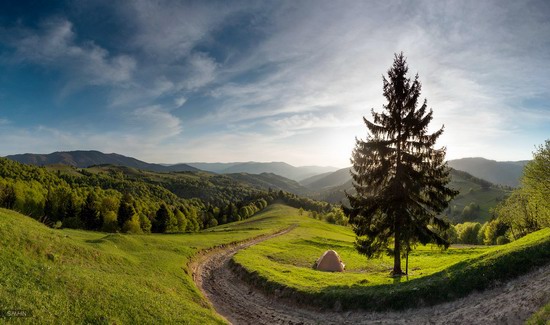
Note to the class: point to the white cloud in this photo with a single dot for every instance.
(199, 71)
(156, 122)
(55, 45)
(180, 101)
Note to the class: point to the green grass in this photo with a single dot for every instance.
(70, 276)
(284, 265)
(541, 317)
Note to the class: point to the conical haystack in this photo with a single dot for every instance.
(330, 261)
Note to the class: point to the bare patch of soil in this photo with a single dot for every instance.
(239, 303)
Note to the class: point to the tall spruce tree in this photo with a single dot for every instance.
(399, 177)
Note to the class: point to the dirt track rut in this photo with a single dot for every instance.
(239, 303)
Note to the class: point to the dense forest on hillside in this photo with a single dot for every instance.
(115, 198)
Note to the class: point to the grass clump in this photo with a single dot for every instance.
(541, 317)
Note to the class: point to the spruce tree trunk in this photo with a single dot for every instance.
(397, 251)
(407, 261)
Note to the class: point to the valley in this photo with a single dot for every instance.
(242, 234)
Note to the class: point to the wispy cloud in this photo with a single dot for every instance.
(55, 46)
(156, 122)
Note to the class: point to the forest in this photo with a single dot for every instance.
(122, 199)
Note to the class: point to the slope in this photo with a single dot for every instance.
(212, 188)
(69, 276)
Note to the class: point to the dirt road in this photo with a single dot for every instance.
(240, 303)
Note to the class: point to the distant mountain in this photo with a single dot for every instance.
(272, 181)
(83, 159)
(218, 168)
(336, 178)
(314, 178)
(498, 172)
(506, 173)
(479, 193)
(251, 167)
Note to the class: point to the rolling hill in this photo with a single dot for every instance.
(203, 185)
(499, 172)
(87, 158)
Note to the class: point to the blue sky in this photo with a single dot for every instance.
(176, 81)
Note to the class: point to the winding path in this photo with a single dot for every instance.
(240, 303)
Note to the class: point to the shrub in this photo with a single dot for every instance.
(468, 232)
(110, 223)
(180, 220)
(144, 223)
(132, 225)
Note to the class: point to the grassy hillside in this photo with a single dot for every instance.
(285, 264)
(69, 276)
(473, 191)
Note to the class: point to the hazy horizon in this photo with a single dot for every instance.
(242, 162)
(173, 82)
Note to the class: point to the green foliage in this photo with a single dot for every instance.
(468, 233)
(471, 211)
(126, 210)
(501, 240)
(495, 229)
(400, 179)
(528, 208)
(7, 196)
(335, 216)
(181, 221)
(110, 223)
(87, 198)
(536, 184)
(164, 219)
(132, 225)
(90, 214)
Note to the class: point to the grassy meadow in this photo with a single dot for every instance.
(284, 265)
(70, 276)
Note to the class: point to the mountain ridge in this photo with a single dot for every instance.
(87, 158)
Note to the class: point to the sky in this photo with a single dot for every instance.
(223, 81)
